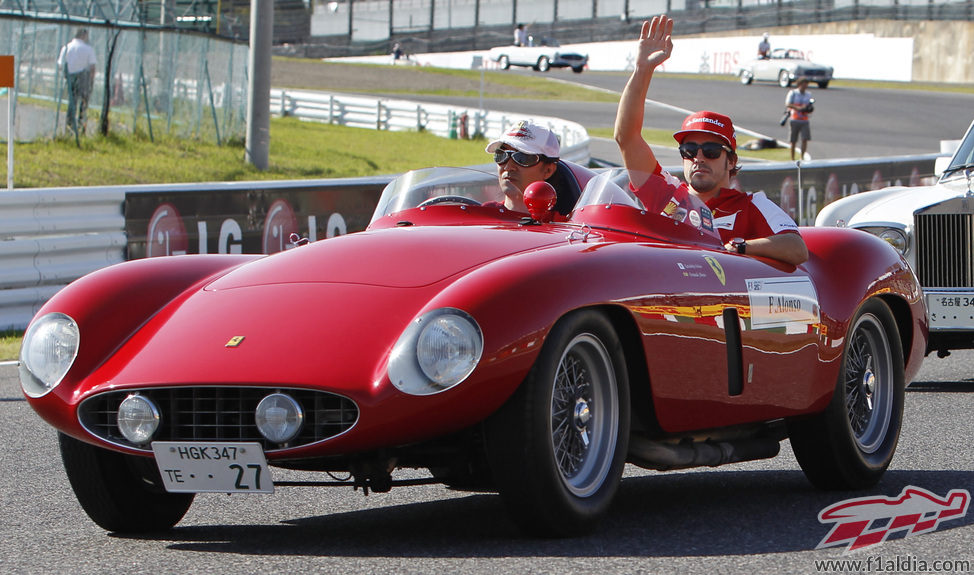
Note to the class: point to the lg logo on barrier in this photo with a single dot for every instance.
(167, 235)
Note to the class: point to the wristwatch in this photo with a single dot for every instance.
(740, 246)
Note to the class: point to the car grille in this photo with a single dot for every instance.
(219, 414)
(945, 250)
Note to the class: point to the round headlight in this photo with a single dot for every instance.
(448, 349)
(437, 351)
(895, 238)
(279, 417)
(138, 418)
(49, 349)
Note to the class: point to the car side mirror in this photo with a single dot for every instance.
(540, 198)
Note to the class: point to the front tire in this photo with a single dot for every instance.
(746, 77)
(504, 62)
(557, 447)
(851, 443)
(121, 493)
(823, 85)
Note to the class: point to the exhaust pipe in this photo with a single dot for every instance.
(664, 456)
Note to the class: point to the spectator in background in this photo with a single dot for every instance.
(764, 47)
(77, 60)
(520, 35)
(396, 53)
(799, 102)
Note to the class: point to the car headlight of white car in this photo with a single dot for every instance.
(437, 351)
(894, 236)
(49, 349)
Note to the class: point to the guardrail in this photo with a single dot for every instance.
(441, 120)
(50, 238)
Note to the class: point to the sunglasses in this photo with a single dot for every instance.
(520, 158)
(711, 150)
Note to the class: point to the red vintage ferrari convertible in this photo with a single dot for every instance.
(499, 350)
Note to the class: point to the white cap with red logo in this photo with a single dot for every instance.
(530, 139)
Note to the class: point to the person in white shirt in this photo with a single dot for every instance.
(520, 35)
(764, 47)
(77, 60)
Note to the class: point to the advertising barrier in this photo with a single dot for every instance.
(259, 218)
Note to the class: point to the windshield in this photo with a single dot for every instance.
(462, 185)
(964, 156)
(657, 207)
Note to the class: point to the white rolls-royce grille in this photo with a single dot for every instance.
(218, 414)
(945, 250)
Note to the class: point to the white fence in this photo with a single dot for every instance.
(404, 115)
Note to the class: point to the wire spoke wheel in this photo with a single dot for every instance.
(851, 443)
(557, 448)
(869, 383)
(584, 415)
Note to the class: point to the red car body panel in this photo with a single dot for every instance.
(326, 316)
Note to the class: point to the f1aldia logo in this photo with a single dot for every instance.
(865, 522)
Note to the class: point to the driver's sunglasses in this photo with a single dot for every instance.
(520, 158)
(711, 150)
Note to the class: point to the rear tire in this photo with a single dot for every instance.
(557, 447)
(543, 64)
(851, 443)
(824, 84)
(121, 493)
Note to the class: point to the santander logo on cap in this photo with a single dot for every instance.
(710, 122)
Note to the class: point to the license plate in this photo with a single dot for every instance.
(212, 467)
(951, 310)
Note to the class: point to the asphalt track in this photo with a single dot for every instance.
(848, 122)
(755, 517)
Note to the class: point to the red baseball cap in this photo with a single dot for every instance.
(709, 123)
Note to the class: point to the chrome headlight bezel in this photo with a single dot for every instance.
(47, 353)
(436, 351)
(897, 237)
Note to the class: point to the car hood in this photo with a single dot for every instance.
(325, 314)
(396, 257)
(899, 204)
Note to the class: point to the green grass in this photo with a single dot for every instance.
(298, 150)
(10, 345)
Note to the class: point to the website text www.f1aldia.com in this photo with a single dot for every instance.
(892, 564)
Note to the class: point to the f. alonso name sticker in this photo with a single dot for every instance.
(782, 302)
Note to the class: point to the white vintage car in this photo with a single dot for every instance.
(933, 227)
(784, 66)
(541, 58)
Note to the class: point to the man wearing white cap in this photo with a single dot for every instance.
(748, 223)
(527, 153)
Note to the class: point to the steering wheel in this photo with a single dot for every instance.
(449, 200)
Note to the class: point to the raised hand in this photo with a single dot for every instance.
(655, 42)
